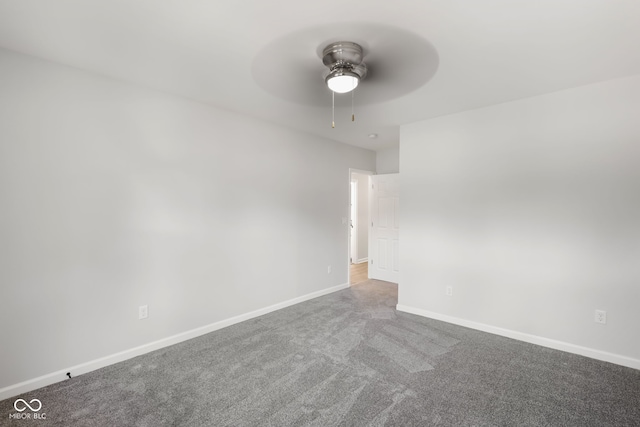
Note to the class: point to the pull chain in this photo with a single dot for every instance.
(333, 109)
(353, 116)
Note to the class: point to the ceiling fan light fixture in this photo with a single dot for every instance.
(346, 69)
(342, 81)
(344, 60)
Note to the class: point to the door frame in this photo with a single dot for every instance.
(348, 237)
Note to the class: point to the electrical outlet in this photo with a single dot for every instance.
(601, 316)
(328, 269)
(143, 312)
(449, 291)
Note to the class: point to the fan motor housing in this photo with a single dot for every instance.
(344, 57)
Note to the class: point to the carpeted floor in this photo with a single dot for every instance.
(345, 359)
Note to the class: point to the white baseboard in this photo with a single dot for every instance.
(532, 339)
(61, 375)
(362, 260)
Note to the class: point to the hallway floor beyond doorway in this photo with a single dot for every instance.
(359, 272)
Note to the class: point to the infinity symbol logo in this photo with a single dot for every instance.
(26, 405)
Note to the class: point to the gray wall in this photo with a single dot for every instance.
(114, 196)
(530, 210)
(388, 160)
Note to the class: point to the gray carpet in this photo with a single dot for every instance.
(346, 359)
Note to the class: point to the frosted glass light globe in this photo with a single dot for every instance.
(342, 83)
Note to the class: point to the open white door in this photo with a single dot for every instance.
(383, 239)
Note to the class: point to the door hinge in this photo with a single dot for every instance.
(372, 262)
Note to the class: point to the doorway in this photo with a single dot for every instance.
(359, 183)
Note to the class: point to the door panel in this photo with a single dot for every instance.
(395, 256)
(382, 252)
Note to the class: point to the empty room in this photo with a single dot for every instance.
(407, 213)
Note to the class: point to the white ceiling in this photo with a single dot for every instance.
(455, 54)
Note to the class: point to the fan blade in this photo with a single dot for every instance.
(398, 62)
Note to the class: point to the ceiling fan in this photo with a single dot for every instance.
(346, 69)
(300, 66)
